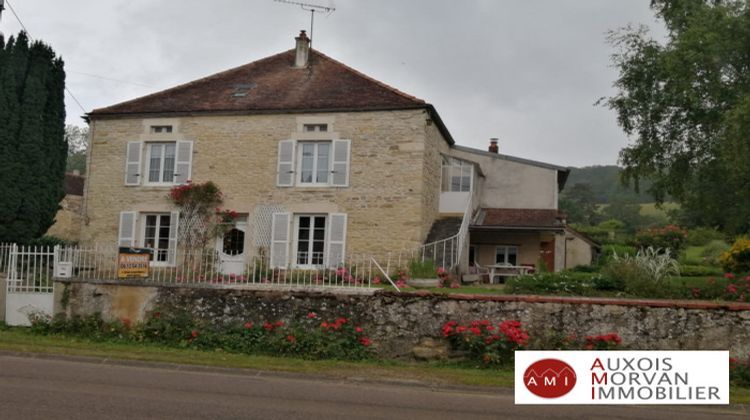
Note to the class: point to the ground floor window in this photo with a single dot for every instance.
(156, 235)
(506, 254)
(310, 239)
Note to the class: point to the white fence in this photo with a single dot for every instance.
(100, 263)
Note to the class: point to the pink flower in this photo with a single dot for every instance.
(729, 276)
(248, 325)
(311, 315)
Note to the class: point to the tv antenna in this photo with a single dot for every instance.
(312, 8)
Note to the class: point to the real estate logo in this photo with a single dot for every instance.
(622, 377)
(549, 378)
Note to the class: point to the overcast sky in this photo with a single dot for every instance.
(526, 71)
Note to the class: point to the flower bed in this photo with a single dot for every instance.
(310, 337)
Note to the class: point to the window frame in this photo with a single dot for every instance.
(299, 146)
(144, 225)
(147, 170)
(450, 166)
(295, 240)
(505, 254)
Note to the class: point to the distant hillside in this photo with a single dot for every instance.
(605, 183)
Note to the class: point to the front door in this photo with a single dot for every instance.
(231, 248)
(547, 252)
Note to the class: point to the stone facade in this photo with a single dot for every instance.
(68, 219)
(408, 325)
(391, 200)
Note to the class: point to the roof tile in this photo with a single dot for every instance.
(273, 84)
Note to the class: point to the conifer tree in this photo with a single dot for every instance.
(32, 143)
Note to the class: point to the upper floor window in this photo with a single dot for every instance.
(159, 129)
(323, 163)
(457, 175)
(315, 127)
(161, 162)
(158, 163)
(314, 162)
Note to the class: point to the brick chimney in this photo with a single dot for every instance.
(493, 146)
(303, 50)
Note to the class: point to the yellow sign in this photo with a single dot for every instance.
(133, 262)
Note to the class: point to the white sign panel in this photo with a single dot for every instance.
(622, 377)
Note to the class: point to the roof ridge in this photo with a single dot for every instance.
(371, 79)
(194, 82)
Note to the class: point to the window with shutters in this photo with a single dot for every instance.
(310, 240)
(156, 236)
(314, 163)
(161, 158)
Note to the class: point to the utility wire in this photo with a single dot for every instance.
(10, 6)
(108, 78)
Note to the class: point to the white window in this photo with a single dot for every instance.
(314, 162)
(319, 163)
(315, 128)
(161, 162)
(157, 234)
(158, 129)
(506, 255)
(457, 175)
(310, 240)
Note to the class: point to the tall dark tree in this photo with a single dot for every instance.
(33, 149)
(685, 103)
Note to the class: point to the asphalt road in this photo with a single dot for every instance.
(49, 388)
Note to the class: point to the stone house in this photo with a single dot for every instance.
(320, 161)
(68, 219)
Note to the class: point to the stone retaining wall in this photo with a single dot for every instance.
(408, 324)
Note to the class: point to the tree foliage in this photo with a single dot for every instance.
(685, 104)
(32, 142)
(77, 138)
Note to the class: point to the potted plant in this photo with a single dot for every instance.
(422, 274)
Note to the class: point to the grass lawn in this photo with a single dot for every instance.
(23, 341)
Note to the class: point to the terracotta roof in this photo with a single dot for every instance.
(73, 184)
(517, 218)
(273, 84)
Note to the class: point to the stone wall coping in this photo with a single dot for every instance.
(318, 291)
(654, 303)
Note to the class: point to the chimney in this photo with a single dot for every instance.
(303, 50)
(493, 145)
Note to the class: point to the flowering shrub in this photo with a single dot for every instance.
(729, 287)
(739, 371)
(602, 342)
(668, 237)
(737, 259)
(206, 195)
(309, 337)
(555, 340)
(492, 345)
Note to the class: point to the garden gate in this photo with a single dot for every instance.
(29, 285)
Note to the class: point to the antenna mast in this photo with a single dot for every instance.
(312, 8)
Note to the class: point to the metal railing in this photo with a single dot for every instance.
(446, 253)
(29, 269)
(207, 268)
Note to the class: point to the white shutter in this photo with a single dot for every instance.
(280, 238)
(133, 163)
(126, 235)
(336, 239)
(341, 153)
(183, 162)
(174, 224)
(285, 165)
